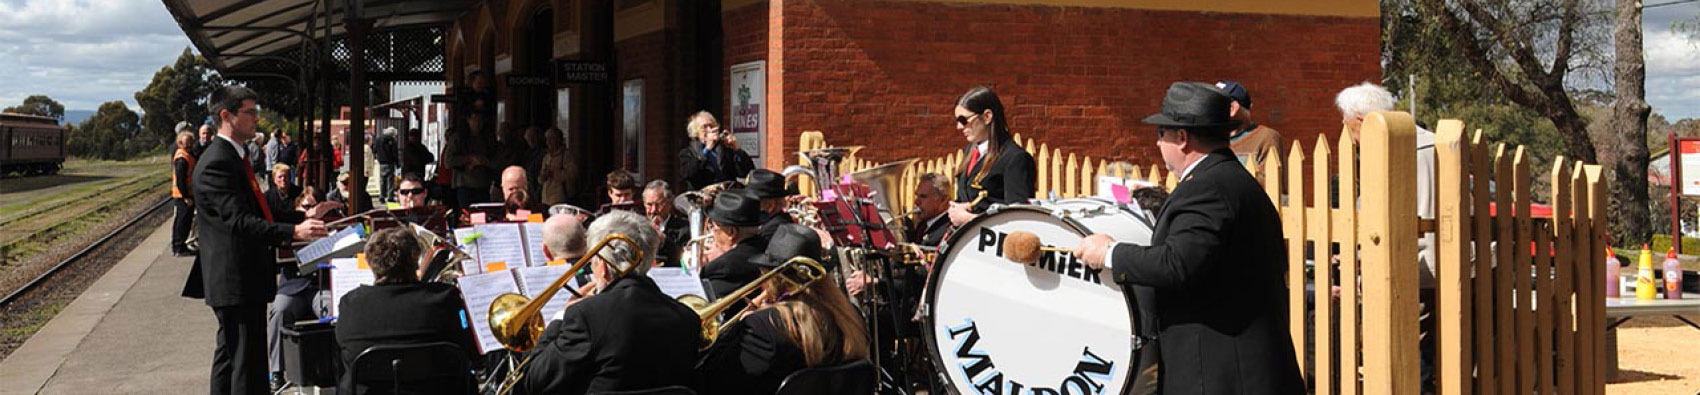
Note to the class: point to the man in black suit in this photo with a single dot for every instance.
(736, 220)
(675, 229)
(236, 268)
(628, 335)
(931, 201)
(713, 155)
(1216, 260)
(770, 187)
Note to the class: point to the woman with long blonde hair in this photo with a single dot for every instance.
(788, 328)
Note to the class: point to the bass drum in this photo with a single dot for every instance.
(1054, 326)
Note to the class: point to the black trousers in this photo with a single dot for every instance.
(184, 216)
(239, 362)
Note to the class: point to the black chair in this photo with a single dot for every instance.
(854, 378)
(429, 368)
(673, 390)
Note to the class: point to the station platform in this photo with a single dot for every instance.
(130, 332)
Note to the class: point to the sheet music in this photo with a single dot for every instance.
(468, 267)
(534, 243)
(675, 281)
(479, 290)
(346, 275)
(501, 243)
(533, 280)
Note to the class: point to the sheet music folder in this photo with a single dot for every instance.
(344, 243)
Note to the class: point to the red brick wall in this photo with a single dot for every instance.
(644, 57)
(744, 33)
(887, 74)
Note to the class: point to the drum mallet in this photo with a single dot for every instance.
(1023, 247)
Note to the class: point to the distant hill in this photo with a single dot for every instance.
(77, 116)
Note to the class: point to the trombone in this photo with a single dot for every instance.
(517, 321)
(798, 273)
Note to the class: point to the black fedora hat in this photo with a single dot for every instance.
(790, 241)
(1195, 105)
(736, 207)
(765, 183)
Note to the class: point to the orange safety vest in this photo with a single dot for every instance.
(184, 155)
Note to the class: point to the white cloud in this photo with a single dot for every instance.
(83, 53)
(1673, 72)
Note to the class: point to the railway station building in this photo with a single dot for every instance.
(620, 77)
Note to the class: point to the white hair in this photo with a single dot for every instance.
(1362, 99)
(620, 255)
(694, 124)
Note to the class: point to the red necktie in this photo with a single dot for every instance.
(973, 159)
(265, 209)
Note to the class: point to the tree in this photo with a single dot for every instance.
(109, 134)
(39, 105)
(1525, 51)
(1631, 221)
(177, 93)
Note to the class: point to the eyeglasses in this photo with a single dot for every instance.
(963, 121)
(414, 191)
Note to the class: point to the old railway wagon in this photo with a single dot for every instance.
(30, 145)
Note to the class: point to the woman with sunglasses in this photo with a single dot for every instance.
(996, 171)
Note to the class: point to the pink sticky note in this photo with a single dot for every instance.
(1122, 194)
(478, 218)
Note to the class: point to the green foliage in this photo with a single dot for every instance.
(177, 93)
(39, 105)
(1661, 243)
(113, 133)
(272, 121)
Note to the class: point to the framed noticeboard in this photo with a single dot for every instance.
(748, 117)
(1687, 163)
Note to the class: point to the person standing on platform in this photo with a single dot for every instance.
(182, 194)
(385, 152)
(997, 170)
(1251, 141)
(713, 156)
(1217, 260)
(468, 153)
(235, 271)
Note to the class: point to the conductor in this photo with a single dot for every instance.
(236, 269)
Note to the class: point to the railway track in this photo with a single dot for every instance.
(49, 206)
(15, 294)
(20, 236)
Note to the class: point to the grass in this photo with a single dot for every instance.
(32, 320)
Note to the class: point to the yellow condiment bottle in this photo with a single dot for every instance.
(1644, 286)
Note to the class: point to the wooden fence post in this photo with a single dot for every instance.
(1346, 234)
(1387, 231)
(1481, 171)
(1452, 255)
(1564, 265)
(1319, 223)
(1293, 227)
(1597, 256)
(1520, 271)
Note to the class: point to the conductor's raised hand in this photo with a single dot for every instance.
(1094, 249)
(310, 229)
(319, 210)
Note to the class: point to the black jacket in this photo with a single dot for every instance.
(400, 314)
(770, 224)
(696, 171)
(733, 269)
(1218, 265)
(629, 337)
(415, 159)
(674, 234)
(930, 235)
(752, 356)
(237, 262)
(1010, 180)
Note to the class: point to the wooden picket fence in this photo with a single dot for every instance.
(1520, 304)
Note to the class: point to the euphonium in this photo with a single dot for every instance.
(516, 321)
(799, 272)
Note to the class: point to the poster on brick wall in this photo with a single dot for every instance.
(749, 116)
(631, 124)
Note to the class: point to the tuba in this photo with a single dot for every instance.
(798, 272)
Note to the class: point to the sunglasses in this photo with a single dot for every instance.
(414, 191)
(962, 120)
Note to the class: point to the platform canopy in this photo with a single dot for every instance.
(254, 38)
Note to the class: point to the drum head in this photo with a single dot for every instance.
(997, 326)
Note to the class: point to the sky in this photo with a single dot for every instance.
(83, 53)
